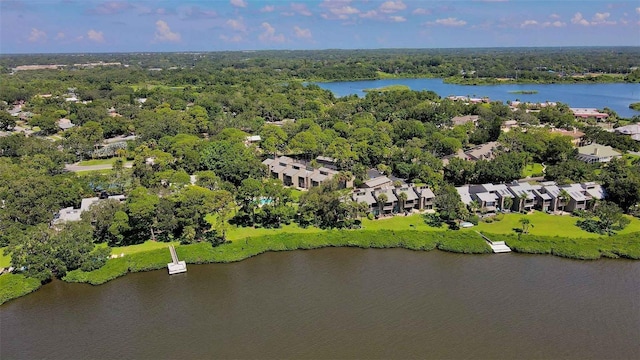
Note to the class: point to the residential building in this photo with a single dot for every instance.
(483, 152)
(71, 214)
(390, 205)
(299, 175)
(632, 130)
(461, 120)
(523, 196)
(577, 136)
(378, 182)
(593, 153)
(412, 200)
(585, 113)
(426, 197)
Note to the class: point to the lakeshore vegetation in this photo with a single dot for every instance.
(191, 176)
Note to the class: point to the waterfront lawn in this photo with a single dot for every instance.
(411, 222)
(146, 246)
(97, 162)
(548, 225)
(5, 260)
(16, 285)
(532, 170)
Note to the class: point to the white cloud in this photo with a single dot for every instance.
(238, 3)
(528, 23)
(638, 10)
(96, 36)
(369, 14)
(421, 11)
(397, 18)
(602, 19)
(554, 16)
(301, 9)
(237, 24)
(392, 6)
(269, 34)
(60, 36)
(164, 33)
(579, 20)
(235, 38)
(341, 13)
(556, 23)
(450, 21)
(268, 9)
(37, 35)
(302, 33)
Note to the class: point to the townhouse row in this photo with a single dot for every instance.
(523, 197)
(302, 176)
(383, 198)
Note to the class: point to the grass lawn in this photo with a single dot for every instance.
(237, 233)
(547, 225)
(534, 169)
(5, 260)
(97, 162)
(146, 246)
(295, 194)
(399, 223)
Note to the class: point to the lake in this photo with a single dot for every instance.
(340, 303)
(614, 96)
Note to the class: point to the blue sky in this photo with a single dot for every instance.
(40, 26)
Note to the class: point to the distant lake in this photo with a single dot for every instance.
(614, 96)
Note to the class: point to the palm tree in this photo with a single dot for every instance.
(507, 203)
(526, 223)
(563, 196)
(402, 197)
(522, 198)
(382, 199)
(474, 206)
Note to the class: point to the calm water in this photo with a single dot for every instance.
(340, 303)
(614, 96)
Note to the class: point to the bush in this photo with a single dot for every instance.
(488, 220)
(498, 217)
(432, 220)
(474, 219)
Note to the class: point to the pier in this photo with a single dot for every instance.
(497, 247)
(176, 266)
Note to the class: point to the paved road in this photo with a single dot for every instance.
(75, 167)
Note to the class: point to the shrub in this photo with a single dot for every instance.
(474, 219)
(488, 220)
(432, 220)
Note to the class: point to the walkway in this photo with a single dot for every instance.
(75, 167)
(497, 247)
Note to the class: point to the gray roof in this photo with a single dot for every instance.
(411, 195)
(391, 197)
(487, 197)
(597, 150)
(364, 196)
(465, 196)
(379, 181)
(425, 192)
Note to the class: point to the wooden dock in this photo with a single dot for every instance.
(176, 266)
(497, 247)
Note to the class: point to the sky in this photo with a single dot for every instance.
(64, 26)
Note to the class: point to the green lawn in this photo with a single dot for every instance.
(5, 260)
(534, 169)
(547, 225)
(146, 246)
(399, 223)
(237, 233)
(97, 162)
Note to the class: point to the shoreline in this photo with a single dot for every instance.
(616, 247)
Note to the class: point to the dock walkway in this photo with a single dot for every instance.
(176, 266)
(497, 247)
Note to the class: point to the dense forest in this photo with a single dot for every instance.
(191, 113)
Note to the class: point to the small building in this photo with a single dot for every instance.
(596, 153)
(65, 124)
(586, 113)
(70, 214)
(577, 136)
(632, 130)
(299, 175)
(378, 182)
(390, 205)
(523, 197)
(461, 120)
(483, 152)
(412, 201)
